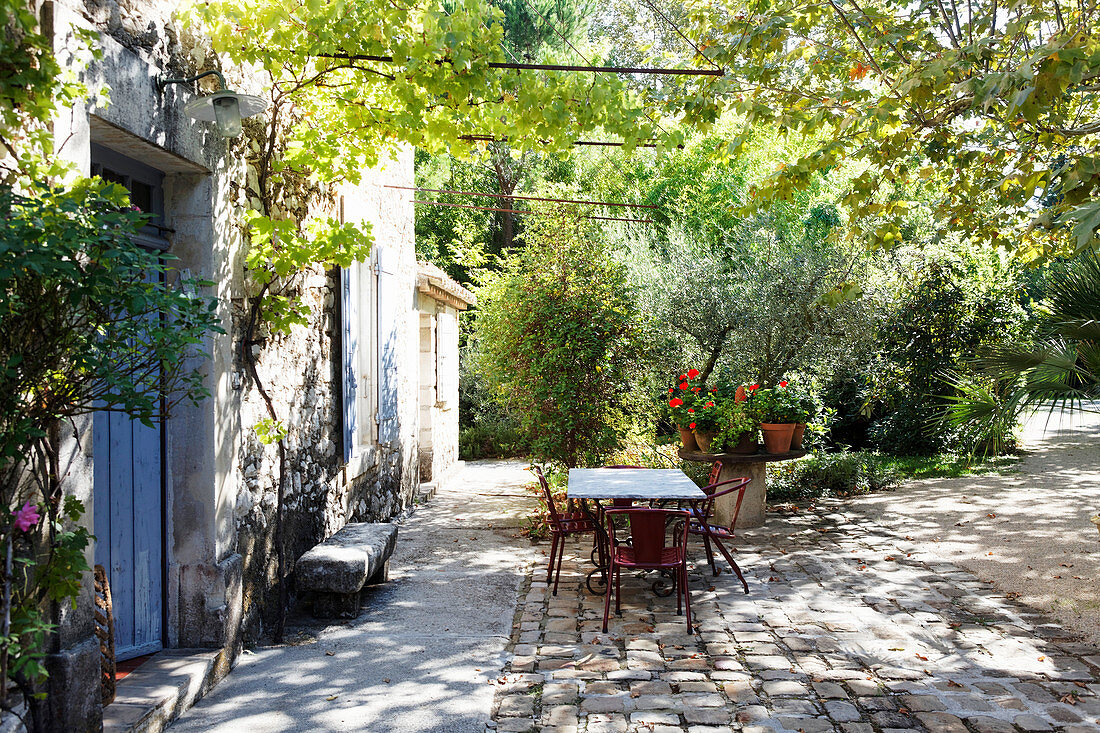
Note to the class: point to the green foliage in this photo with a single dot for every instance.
(829, 474)
(39, 578)
(85, 323)
(33, 85)
(1060, 371)
(282, 249)
(558, 336)
(270, 431)
(948, 311)
(735, 421)
(436, 90)
(777, 405)
(994, 106)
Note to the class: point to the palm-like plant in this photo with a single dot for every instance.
(1061, 370)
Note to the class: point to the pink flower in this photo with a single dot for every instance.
(26, 517)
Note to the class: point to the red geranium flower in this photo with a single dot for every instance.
(696, 389)
(684, 386)
(691, 410)
(675, 402)
(754, 387)
(691, 426)
(783, 383)
(683, 377)
(692, 374)
(709, 404)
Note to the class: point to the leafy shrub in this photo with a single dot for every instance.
(558, 334)
(829, 474)
(492, 440)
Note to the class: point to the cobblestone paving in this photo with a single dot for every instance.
(843, 630)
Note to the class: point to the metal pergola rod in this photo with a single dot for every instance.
(490, 139)
(554, 67)
(525, 198)
(517, 211)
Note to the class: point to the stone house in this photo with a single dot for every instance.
(183, 512)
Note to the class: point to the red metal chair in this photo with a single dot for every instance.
(562, 525)
(702, 510)
(648, 551)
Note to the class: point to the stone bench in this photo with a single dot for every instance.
(336, 570)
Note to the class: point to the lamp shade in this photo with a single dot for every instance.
(226, 109)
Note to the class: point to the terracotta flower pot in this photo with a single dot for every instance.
(796, 439)
(777, 436)
(747, 444)
(688, 439)
(704, 440)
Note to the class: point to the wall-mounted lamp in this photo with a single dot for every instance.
(225, 108)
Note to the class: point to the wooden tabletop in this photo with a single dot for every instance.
(631, 483)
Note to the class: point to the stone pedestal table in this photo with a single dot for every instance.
(737, 465)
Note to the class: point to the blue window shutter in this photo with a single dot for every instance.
(388, 349)
(349, 319)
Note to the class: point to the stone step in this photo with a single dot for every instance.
(427, 491)
(160, 690)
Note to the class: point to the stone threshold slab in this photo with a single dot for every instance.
(159, 691)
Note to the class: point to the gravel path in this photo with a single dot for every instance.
(1027, 531)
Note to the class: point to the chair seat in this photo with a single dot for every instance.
(670, 557)
(574, 522)
(716, 530)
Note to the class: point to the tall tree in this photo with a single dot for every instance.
(997, 103)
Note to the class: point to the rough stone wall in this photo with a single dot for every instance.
(226, 529)
(301, 373)
(298, 372)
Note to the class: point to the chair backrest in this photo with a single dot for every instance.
(554, 518)
(703, 509)
(647, 530)
(715, 472)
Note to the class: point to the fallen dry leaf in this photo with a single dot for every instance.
(330, 698)
(922, 657)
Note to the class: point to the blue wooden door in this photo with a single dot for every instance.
(129, 539)
(128, 459)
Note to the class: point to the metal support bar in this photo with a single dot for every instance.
(523, 198)
(163, 82)
(553, 67)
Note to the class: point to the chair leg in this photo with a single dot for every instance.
(618, 590)
(607, 601)
(561, 555)
(733, 564)
(710, 555)
(677, 579)
(687, 594)
(553, 553)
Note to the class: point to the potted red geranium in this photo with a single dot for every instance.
(684, 402)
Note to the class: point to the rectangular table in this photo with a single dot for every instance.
(631, 483)
(642, 484)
